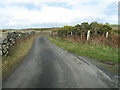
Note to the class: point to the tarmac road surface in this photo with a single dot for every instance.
(48, 66)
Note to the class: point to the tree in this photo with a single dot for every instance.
(85, 26)
(94, 26)
(78, 25)
(105, 28)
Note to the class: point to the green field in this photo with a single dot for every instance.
(103, 54)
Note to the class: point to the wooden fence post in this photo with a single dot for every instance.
(71, 33)
(106, 34)
(88, 34)
(81, 36)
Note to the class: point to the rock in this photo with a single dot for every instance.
(9, 39)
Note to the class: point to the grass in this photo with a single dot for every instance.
(16, 55)
(104, 54)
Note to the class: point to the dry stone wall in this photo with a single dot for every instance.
(8, 39)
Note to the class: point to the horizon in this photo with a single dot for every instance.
(41, 27)
(20, 14)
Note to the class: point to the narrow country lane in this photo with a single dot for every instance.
(48, 66)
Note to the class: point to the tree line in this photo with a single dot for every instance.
(94, 28)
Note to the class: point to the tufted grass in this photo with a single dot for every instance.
(16, 54)
(103, 54)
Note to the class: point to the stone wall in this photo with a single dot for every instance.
(9, 39)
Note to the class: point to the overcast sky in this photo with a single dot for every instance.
(55, 13)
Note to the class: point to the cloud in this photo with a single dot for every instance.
(20, 13)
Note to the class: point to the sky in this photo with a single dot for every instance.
(56, 13)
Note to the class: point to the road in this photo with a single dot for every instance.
(48, 66)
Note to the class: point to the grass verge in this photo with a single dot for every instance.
(16, 55)
(104, 54)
